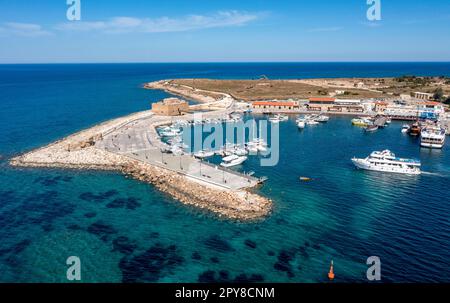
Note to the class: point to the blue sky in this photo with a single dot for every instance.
(223, 31)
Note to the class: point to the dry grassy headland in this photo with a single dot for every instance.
(351, 88)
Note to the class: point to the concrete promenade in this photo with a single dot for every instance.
(140, 141)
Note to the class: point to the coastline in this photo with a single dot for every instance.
(81, 151)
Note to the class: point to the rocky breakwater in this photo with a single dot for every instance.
(78, 150)
(235, 205)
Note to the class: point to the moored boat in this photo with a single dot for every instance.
(278, 118)
(301, 124)
(371, 128)
(432, 136)
(415, 129)
(322, 118)
(203, 154)
(233, 160)
(311, 122)
(405, 128)
(363, 122)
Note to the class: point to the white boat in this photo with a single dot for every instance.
(203, 154)
(274, 120)
(301, 124)
(432, 136)
(223, 152)
(170, 133)
(251, 147)
(405, 128)
(232, 160)
(278, 118)
(240, 151)
(284, 117)
(255, 146)
(322, 118)
(386, 161)
(260, 145)
(311, 122)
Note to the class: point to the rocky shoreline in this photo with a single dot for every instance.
(240, 206)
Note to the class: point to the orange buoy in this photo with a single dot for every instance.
(331, 272)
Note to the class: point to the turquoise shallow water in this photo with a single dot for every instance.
(124, 230)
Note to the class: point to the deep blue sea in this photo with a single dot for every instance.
(124, 230)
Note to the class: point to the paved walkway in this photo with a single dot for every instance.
(139, 140)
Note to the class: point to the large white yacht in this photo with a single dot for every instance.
(386, 161)
(432, 136)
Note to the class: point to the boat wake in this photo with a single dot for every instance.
(434, 174)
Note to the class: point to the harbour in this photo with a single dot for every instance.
(340, 213)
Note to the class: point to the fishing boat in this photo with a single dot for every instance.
(363, 122)
(301, 124)
(233, 160)
(386, 161)
(415, 129)
(203, 154)
(432, 136)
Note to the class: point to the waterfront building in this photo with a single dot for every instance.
(335, 105)
(170, 107)
(275, 105)
(321, 101)
(401, 112)
(380, 106)
(430, 110)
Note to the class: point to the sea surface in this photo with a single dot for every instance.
(124, 230)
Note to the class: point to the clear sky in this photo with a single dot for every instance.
(223, 31)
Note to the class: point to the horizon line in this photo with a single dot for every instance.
(213, 62)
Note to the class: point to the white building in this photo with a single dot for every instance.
(430, 109)
(423, 96)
